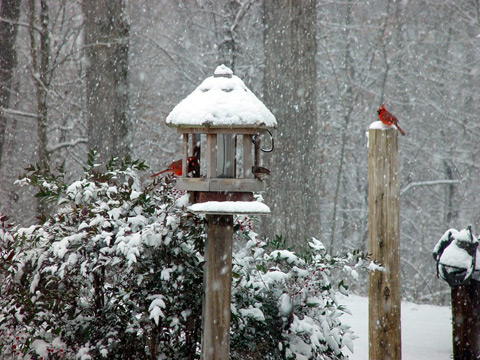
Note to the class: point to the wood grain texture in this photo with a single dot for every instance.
(466, 320)
(384, 244)
(217, 283)
(247, 156)
(217, 184)
(224, 130)
(211, 156)
(185, 155)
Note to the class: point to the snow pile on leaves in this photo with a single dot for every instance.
(116, 272)
(285, 303)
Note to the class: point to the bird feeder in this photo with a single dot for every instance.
(229, 120)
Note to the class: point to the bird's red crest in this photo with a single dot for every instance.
(381, 109)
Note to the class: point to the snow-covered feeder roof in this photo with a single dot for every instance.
(221, 101)
(230, 208)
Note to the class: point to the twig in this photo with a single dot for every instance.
(428, 183)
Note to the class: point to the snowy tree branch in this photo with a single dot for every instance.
(427, 183)
(419, 273)
(67, 144)
(241, 13)
(169, 55)
(17, 113)
(20, 23)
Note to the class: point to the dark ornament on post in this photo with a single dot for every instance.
(456, 256)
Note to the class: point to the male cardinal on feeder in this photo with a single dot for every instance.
(260, 173)
(176, 167)
(388, 119)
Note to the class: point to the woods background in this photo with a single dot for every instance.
(78, 74)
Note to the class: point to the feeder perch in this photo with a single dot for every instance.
(225, 116)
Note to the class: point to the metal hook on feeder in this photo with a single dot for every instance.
(272, 141)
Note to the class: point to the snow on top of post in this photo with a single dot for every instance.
(464, 235)
(378, 125)
(221, 100)
(455, 256)
(454, 253)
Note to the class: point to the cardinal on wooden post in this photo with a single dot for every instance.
(384, 237)
(388, 118)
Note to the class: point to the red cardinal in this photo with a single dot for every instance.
(388, 119)
(176, 167)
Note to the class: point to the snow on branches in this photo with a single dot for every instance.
(116, 271)
(278, 289)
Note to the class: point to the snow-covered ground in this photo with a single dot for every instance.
(426, 330)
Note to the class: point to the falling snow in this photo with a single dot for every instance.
(59, 100)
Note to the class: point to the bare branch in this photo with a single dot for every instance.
(13, 112)
(241, 13)
(21, 23)
(67, 144)
(427, 183)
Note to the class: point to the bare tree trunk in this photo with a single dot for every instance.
(227, 46)
(451, 212)
(349, 104)
(40, 57)
(107, 45)
(290, 93)
(40, 67)
(9, 14)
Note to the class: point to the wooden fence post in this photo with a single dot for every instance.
(466, 320)
(384, 244)
(217, 282)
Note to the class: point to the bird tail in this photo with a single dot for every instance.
(161, 172)
(400, 129)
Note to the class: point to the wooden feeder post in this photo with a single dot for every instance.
(222, 109)
(384, 244)
(217, 282)
(218, 261)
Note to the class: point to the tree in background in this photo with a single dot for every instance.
(106, 53)
(403, 53)
(290, 92)
(41, 71)
(9, 15)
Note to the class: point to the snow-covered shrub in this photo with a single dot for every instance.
(116, 272)
(284, 303)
